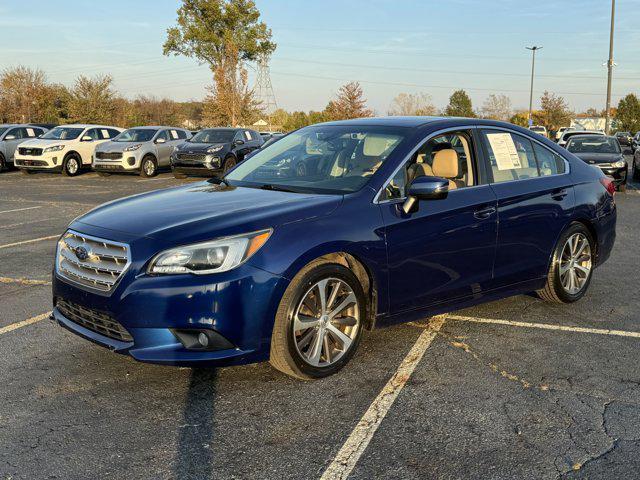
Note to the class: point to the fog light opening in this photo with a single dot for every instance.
(203, 340)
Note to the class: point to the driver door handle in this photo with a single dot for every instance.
(484, 213)
(559, 194)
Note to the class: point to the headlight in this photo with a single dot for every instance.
(618, 164)
(131, 148)
(55, 148)
(215, 256)
(217, 148)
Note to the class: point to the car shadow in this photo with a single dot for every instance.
(194, 449)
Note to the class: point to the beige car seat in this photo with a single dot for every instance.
(446, 165)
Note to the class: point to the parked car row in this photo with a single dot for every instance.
(145, 150)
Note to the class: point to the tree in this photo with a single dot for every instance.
(497, 107)
(25, 96)
(628, 114)
(412, 104)
(349, 103)
(222, 34)
(93, 100)
(520, 118)
(459, 105)
(554, 112)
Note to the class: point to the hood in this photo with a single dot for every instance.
(599, 157)
(41, 143)
(202, 211)
(199, 147)
(111, 146)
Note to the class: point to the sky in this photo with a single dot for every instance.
(389, 46)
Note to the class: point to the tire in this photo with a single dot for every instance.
(634, 170)
(148, 167)
(229, 163)
(3, 163)
(558, 287)
(292, 348)
(71, 165)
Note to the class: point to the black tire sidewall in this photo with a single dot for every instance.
(560, 291)
(65, 170)
(306, 282)
(227, 166)
(3, 164)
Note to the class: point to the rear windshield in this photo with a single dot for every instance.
(63, 133)
(593, 145)
(214, 136)
(136, 135)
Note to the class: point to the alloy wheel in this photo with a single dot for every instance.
(575, 263)
(149, 168)
(72, 166)
(326, 322)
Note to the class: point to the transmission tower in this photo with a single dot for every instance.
(264, 89)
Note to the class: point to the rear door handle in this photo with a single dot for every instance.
(484, 213)
(560, 194)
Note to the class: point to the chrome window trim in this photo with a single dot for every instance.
(95, 239)
(567, 165)
(376, 198)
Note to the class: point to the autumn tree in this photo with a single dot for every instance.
(459, 105)
(497, 107)
(93, 100)
(224, 34)
(554, 112)
(25, 96)
(349, 103)
(412, 104)
(520, 118)
(628, 114)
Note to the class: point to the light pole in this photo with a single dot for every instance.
(533, 68)
(607, 127)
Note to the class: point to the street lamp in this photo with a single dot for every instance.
(533, 67)
(607, 127)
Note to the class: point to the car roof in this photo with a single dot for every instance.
(87, 125)
(155, 127)
(391, 121)
(573, 137)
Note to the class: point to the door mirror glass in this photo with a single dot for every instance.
(86, 138)
(239, 142)
(10, 137)
(160, 140)
(425, 188)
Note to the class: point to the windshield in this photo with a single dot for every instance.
(320, 159)
(63, 133)
(214, 136)
(593, 145)
(623, 134)
(136, 135)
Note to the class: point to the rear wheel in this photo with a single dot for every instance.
(319, 322)
(71, 165)
(571, 268)
(149, 167)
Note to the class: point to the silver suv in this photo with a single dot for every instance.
(12, 135)
(139, 149)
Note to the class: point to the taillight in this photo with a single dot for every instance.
(608, 184)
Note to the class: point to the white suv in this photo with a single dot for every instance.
(67, 148)
(139, 149)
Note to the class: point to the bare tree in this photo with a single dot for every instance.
(497, 107)
(412, 104)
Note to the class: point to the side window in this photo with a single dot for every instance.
(113, 133)
(18, 133)
(510, 156)
(174, 135)
(450, 156)
(163, 134)
(34, 132)
(239, 136)
(93, 133)
(549, 163)
(182, 135)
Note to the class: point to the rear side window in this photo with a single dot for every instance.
(511, 156)
(549, 163)
(93, 133)
(182, 135)
(162, 134)
(18, 133)
(113, 133)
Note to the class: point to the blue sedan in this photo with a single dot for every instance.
(335, 228)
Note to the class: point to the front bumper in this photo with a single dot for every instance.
(49, 162)
(130, 162)
(239, 305)
(196, 171)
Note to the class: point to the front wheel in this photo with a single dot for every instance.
(571, 266)
(3, 163)
(319, 322)
(229, 163)
(149, 167)
(71, 166)
(634, 171)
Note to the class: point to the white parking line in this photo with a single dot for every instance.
(24, 323)
(546, 326)
(356, 444)
(24, 242)
(20, 209)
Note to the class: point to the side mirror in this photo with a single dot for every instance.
(161, 140)
(239, 142)
(86, 138)
(425, 188)
(10, 137)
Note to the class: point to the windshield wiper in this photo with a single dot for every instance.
(275, 188)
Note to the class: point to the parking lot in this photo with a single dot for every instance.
(512, 389)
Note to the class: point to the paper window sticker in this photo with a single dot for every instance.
(174, 134)
(31, 132)
(247, 134)
(105, 133)
(504, 151)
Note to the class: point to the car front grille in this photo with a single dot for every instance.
(191, 157)
(32, 163)
(92, 262)
(36, 152)
(108, 155)
(94, 320)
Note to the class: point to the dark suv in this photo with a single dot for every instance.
(214, 151)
